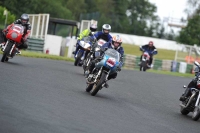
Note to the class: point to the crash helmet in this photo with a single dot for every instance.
(24, 19)
(116, 42)
(106, 28)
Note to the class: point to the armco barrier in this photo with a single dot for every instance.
(35, 44)
(129, 61)
(166, 65)
(157, 64)
(189, 68)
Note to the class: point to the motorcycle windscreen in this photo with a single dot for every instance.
(84, 45)
(86, 39)
(113, 53)
(112, 58)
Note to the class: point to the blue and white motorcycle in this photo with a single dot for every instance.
(80, 55)
(106, 64)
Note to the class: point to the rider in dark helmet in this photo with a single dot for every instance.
(24, 21)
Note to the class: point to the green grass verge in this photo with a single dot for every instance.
(42, 55)
(47, 56)
(172, 73)
(134, 50)
(162, 53)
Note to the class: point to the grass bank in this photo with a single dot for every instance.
(129, 49)
(162, 53)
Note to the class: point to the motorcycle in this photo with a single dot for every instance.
(106, 65)
(94, 52)
(101, 42)
(80, 55)
(14, 37)
(192, 103)
(145, 60)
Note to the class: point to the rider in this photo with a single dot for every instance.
(115, 44)
(24, 21)
(187, 92)
(85, 33)
(192, 84)
(151, 49)
(104, 34)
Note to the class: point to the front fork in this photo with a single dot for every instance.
(99, 73)
(5, 46)
(197, 102)
(12, 49)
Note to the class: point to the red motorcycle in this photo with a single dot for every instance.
(145, 61)
(14, 38)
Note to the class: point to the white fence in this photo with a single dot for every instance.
(39, 23)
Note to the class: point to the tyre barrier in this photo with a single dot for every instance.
(132, 61)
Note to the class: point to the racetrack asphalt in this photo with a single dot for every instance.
(48, 96)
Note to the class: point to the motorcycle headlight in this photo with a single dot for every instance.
(14, 35)
(97, 49)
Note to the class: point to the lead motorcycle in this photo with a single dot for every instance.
(192, 103)
(14, 37)
(106, 65)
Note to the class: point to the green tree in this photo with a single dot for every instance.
(191, 33)
(55, 9)
(76, 8)
(141, 12)
(10, 17)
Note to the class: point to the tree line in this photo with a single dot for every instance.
(135, 17)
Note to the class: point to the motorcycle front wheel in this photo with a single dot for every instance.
(78, 58)
(6, 52)
(99, 84)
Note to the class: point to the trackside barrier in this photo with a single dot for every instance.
(131, 62)
(35, 44)
(182, 67)
(166, 65)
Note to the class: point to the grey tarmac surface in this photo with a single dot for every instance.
(48, 96)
